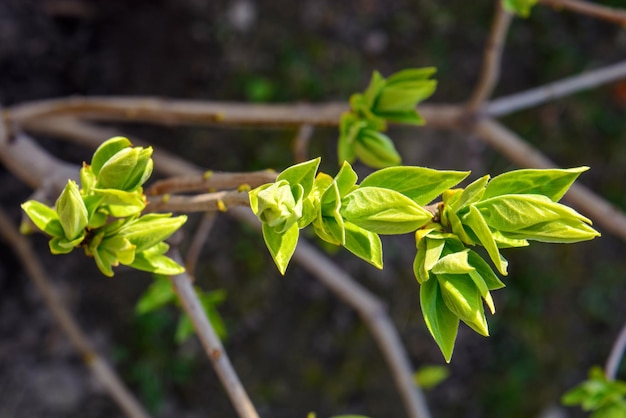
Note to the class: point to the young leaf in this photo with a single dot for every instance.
(276, 205)
(552, 183)
(150, 229)
(474, 219)
(383, 211)
(440, 321)
(157, 295)
(302, 174)
(484, 270)
(453, 263)
(106, 150)
(346, 179)
(119, 203)
(427, 377)
(519, 7)
(377, 83)
(72, 211)
(281, 245)
(44, 218)
(419, 184)
(376, 149)
(463, 299)
(428, 253)
(471, 194)
(364, 244)
(126, 170)
(152, 260)
(410, 75)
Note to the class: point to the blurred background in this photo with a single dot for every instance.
(296, 347)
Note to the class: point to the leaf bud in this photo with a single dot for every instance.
(72, 211)
(276, 205)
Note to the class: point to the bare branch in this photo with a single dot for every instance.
(200, 236)
(598, 11)
(533, 97)
(523, 154)
(301, 143)
(100, 368)
(170, 112)
(372, 312)
(615, 358)
(211, 181)
(183, 285)
(207, 202)
(491, 59)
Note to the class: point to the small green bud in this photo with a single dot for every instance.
(72, 211)
(276, 205)
(376, 149)
(127, 169)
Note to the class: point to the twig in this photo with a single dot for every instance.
(615, 358)
(218, 201)
(301, 143)
(170, 112)
(372, 312)
(590, 9)
(183, 285)
(536, 96)
(200, 236)
(492, 58)
(103, 372)
(524, 155)
(211, 181)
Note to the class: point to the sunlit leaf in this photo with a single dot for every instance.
(364, 244)
(281, 245)
(440, 321)
(44, 218)
(302, 174)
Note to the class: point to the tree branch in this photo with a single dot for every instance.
(183, 285)
(610, 14)
(64, 319)
(492, 58)
(207, 202)
(615, 358)
(210, 181)
(536, 96)
(200, 236)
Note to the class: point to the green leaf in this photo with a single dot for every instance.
(152, 260)
(451, 219)
(427, 377)
(62, 245)
(302, 174)
(120, 203)
(72, 211)
(410, 75)
(276, 204)
(419, 184)
(126, 170)
(402, 98)
(44, 218)
(157, 295)
(346, 179)
(120, 247)
(281, 245)
(464, 300)
(106, 150)
(552, 183)
(519, 7)
(471, 194)
(428, 253)
(440, 321)
(150, 229)
(484, 270)
(87, 178)
(376, 149)
(454, 263)
(383, 211)
(479, 226)
(364, 244)
(377, 83)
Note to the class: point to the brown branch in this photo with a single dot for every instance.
(301, 143)
(211, 181)
(371, 311)
(200, 236)
(598, 11)
(169, 112)
(520, 152)
(64, 319)
(183, 286)
(207, 202)
(536, 96)
(617, 352)
(492, 58)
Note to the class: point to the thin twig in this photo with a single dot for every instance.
(214, 202)
(598, 11)
(183, 286)
(523, 154)
(103, 372)
(615, 358)
(301, 143)
(536, 96)
(211, 181)
(372, 312)
(492, 58)
(200, 236)
(169, 112)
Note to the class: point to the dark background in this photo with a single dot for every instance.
(295, 346)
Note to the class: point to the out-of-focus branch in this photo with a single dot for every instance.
(615, 358)
(523, 154)
(159, 111)
(207, 202)
(103, 372)
(183, 286)
(301, 143)
(552, 91)
(200, 236)
(210, 181)
(371, 310)
(598, 11)
(491, 59)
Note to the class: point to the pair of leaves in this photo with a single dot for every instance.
(606, 398)
(385, 100)
(160, 294)
(103, 215)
